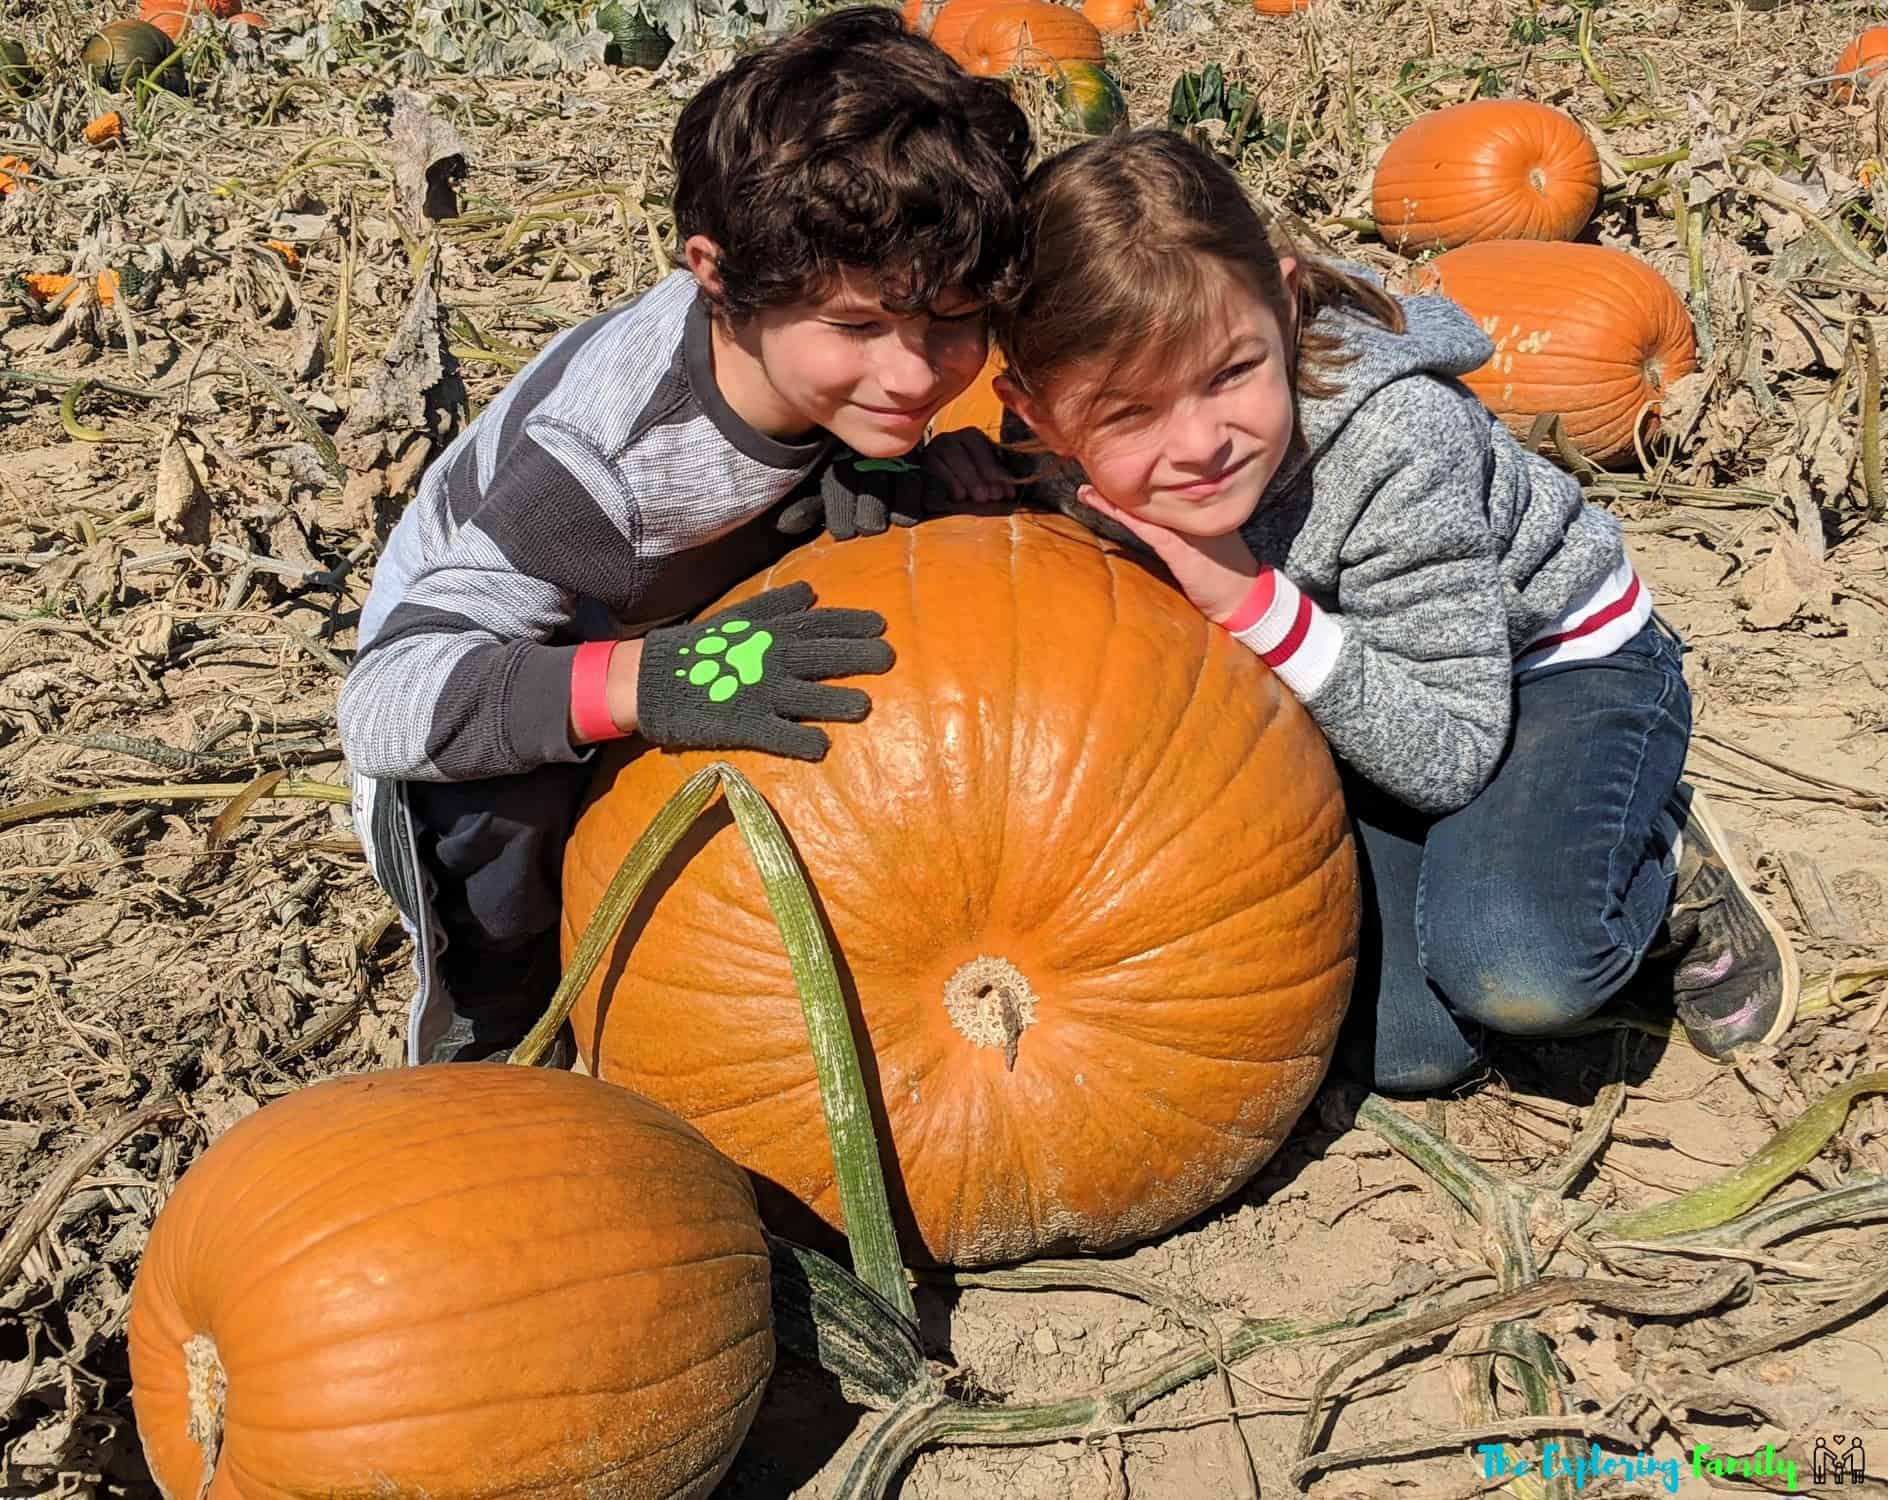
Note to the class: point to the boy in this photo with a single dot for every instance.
(846, 199)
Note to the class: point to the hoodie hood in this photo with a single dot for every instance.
(1439, 339)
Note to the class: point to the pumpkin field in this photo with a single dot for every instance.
(910, 1198)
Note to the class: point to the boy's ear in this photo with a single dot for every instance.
(1031, 411)
(704, 260)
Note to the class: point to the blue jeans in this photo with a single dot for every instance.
(1533, 905)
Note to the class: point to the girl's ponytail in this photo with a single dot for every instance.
(1321, 285)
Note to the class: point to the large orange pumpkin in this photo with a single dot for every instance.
(1591, 333)
(1868, 54)
(1026, 35)
(978, 406)
(1091, 889)
(1491, 169)
(457, 1281)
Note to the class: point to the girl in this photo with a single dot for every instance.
(1510, 719)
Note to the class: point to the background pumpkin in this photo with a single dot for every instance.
(1026, 35)
(1591, 333)
(454, 1281)
(121, 52)
(1868, 53)
(1116, 17)
(947, 24)
(978, 406)
(1280, 7)
(1079, 819)
(1487, 170)
(1091, 101)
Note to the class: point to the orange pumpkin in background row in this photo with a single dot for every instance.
(946, 24)
(1491, 169)
(1116, 17)
(1280, 7)
(1867, 53)
(456, 1281)
(1594, 334)
(1091, 889)
(978, 406)
(171, 16)
(1034, 36)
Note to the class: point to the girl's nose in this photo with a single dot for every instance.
(1195, 436)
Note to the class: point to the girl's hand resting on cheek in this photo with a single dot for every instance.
(969, 467)
(1216, 572)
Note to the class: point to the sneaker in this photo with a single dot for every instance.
(1734, 974)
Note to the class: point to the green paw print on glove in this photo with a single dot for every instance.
(727, 665)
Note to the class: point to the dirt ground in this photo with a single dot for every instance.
(168, 964)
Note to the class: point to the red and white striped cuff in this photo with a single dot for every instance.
(1278, 622)
(1610, 613)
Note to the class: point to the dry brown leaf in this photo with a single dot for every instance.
(428, 159)
(1788, 583)
(179, 503)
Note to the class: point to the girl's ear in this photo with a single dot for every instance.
(1032, 413)
(704, 260)
(1290, 276)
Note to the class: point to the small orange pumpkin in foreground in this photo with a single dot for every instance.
(456, 1281)
(1591, 333)
(1027, 35)
(1868, 55)
(15, 172)
(1090, 883)
(1280, 7)
(1491, 169)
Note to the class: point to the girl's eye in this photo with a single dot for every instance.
(1125, 415)
(856, 330)
(1233, 373)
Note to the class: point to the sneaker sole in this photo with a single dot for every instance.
(1792, 975)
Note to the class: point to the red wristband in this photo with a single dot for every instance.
(589, 691)
(1256, 602)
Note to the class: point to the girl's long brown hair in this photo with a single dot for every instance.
(1127, 240)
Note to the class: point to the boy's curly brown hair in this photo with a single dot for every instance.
(853, 142)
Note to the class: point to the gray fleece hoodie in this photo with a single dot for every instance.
(1431, 546)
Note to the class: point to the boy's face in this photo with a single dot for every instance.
(872, 378)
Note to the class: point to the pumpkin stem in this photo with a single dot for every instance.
(991, 1004)
(207, 1385)
(857, 1172)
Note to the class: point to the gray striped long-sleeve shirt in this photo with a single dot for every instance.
(610, 487)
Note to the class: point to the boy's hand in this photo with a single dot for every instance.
(741, 679)
(1216, 572)
(860, 497)
(968, 466)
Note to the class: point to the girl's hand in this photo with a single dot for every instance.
(1216, 572)
(969, 467)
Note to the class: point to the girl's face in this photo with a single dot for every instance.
(1196, 452)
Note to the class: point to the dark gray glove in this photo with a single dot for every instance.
(861, 496)
(740, 679)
